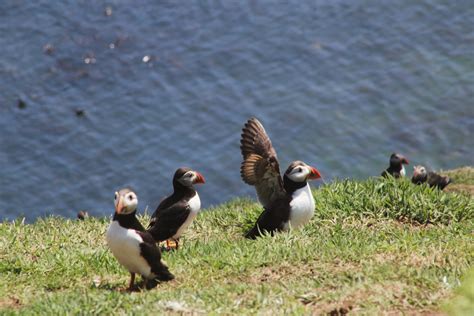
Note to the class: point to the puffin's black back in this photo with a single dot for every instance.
(436, 180)
(173, 211)
(179, 191)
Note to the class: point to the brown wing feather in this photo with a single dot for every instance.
(260, 166)
(255, 140)
(252, 165)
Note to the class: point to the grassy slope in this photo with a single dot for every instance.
(372, 247)
(463, 302)
(463, 180)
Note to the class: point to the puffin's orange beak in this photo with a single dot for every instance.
(199, 178)
(314, 174)
(403, 160)
(119, 206)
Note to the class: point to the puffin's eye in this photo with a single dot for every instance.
(116, 196)
(299, 170)
(130, 197)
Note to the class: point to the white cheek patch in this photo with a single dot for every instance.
(130, 206)
(298, 176)
(186, 181)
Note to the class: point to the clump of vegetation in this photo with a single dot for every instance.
(463, 302)
(374, 246)
(463, 180)
(464, 175)
(392, 198)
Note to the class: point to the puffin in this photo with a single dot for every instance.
(176, 212)
(132, 246)
(396, 168)
(287, 201)
(420, 176)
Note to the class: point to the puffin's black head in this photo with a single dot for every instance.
(396, 160)
(187, 177)
(298, 171)
(126, 201)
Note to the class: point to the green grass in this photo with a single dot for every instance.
(462, 178)
(463, 302)
(464, 175)
(374, 246)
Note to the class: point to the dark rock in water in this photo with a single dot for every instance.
(119, 41)
(80, 112)
(48, 49)
(82, 215)
(21, 104)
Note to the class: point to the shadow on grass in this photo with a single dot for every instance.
(142, 285)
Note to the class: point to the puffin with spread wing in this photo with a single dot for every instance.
(288, 201)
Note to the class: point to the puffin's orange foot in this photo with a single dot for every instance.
(171, 244)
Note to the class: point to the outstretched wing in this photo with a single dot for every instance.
(255, 140)
(169, 220)
(260, 166)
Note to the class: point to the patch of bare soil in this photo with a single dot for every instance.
(288, 272)
(10, 302)
(392, 298)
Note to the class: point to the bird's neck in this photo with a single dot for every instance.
(126, 220)
(181, 191)
(291, 186)
(421, 177)
(396, 167)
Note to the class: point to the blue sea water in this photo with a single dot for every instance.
(162, 84)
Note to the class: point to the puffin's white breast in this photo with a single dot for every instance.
(125, 246)
(302, 208)
(195, 206)
(402, 171)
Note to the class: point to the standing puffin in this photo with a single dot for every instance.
(420, 176)
(134, 249)
(288, 202)
(396, 168)
(175, 213)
